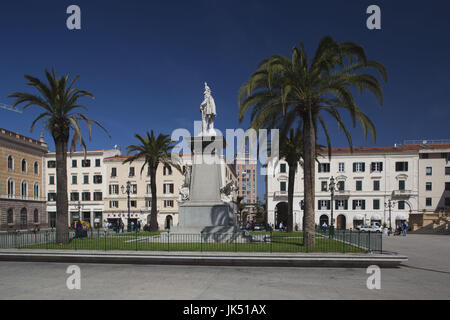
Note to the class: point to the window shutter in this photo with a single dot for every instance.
(406, 166)
(328, 204)
(354, 166)
(354, 204)
(346, 204)
(363, 167)
(336, 205)
(363, 204)
(381, 166)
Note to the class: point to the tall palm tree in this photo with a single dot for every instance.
(61, 117)
(299, 90)
(291, 151)
(154, 150)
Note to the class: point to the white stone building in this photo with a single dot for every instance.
(365, 181)
(86, 185)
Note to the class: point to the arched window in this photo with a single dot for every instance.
(167, 171)
(23, 218)
(10, 216)
(10, 163)
(36, 168)
(24, 165)
(11, 191)
(36, 190)
(24, 189)
(36, 216)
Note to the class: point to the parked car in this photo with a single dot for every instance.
(373, 228)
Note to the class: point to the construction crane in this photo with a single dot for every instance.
(4, 106)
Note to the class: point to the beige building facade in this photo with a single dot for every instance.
(22, 201)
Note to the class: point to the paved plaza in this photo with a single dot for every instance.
(425, 276)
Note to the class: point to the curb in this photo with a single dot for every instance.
(330, 261)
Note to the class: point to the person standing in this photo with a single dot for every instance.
(404, 228)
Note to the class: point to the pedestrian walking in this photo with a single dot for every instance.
(404, 228)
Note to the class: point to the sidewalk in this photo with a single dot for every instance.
(207, 258)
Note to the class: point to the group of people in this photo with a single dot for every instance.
(399, 230)
(118, 226)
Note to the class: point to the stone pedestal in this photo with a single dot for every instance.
(205, 212)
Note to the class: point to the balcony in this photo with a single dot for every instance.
(342, 193)
(402, 193)
(277, 194)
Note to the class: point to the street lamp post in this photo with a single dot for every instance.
(332, 187)
(79, 206)
(390, 204)
(127, 191)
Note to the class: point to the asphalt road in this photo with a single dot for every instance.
(425, 276)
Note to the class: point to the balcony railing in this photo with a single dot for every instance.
(19, 197)
(402, 193)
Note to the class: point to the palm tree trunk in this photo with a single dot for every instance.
(309, 144)
(62, 204)
(154, 211)
(291, 178)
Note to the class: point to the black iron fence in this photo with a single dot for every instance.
(104, 240)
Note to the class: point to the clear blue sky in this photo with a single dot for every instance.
(146, 61)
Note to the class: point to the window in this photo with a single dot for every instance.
(133, 189)
(74, 196)
(324, 186)
(283, 168)
(74, 163)
(429, 171)
(376, 185)
(401, 166)
(447, 186)
(24, 166)
(51, 164)
(167, 171)
(23, 218)
(359, 204)
(133, 203)
(86, 196)
(74, 180)
(86, 163)
(341, 205)
(98, 196)
(11, 189)
(428, 202)
(424, 156)
(358, 185)
(401, 205)
(447, 171)
(10, 216)
(168, 188)
(51, 180)
(113, 172)
(86, 179)
(36, 168)
(302, 204)
(97, 179)
(428, 186)
(131, 173)
(401, 185)
(283, 186)
(324, 167)
(97, 162)
(51, 196)
(114, 189)
(447, 202)
(341, 185)
(376, 166)
(376, 204)
(324, 204)
(341, 166)
(36, 190)
(36, 216)
(114, 204)
(24, 189)
(359, 167)
(10, 163)
(168, 203)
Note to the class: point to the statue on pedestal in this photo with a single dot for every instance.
(208, 110)
(184, 189)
